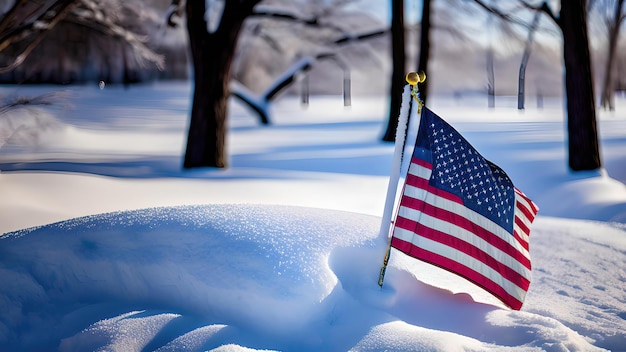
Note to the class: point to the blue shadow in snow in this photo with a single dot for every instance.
(326, 159)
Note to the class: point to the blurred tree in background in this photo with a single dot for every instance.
(398, 67)
(71, 41)
(220, 28)
(611, 15)
(572, 20)
(111, 40)
(219, 25)
(255, 42)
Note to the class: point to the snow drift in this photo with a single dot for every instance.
(255, 276)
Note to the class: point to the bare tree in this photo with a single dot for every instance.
(206, 140)
(424, 45)
(212, 52)
(491, 75)
(583, 146)
(584, 151)
(521, 91)
(613, 20)
(398, 53)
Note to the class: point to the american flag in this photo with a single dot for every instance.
(462, 213)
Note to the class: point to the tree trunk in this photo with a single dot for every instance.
(212, 55)
(398, 69)
(491, 76)
(424, 55)
(521, 91)
(584, 151)
(608, 86)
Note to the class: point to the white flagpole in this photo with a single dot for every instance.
(401, 131)
(396, 163)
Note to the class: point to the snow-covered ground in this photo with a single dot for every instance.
(109, 245)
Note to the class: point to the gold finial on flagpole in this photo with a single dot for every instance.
(414, 78)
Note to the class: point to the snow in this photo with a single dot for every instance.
(109, 245)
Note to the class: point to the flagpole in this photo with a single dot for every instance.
(411, 89)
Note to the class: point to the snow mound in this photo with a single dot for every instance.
(238, 278)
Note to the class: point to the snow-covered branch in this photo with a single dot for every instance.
(27, 23)
(507, 17)
(544, 7)
(293, 17)
(93, 16)
(39, 100)
(38, 27)
(361, 36)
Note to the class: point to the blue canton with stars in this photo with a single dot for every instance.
(459, 169)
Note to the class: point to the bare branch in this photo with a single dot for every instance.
(356, 37)
(93, 17)
(494, 11)
(39, 27)
(545, 8)
(44, 99)
(287, 16)
(620, 20)
(90, 15)
(512, 19)
(175, 10)
(315, 22)
(23, 12)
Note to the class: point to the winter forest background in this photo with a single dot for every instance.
(111, 240)
(215, 28)
(78, 51)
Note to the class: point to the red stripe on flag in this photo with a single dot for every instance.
(459, 269)
(464, 247)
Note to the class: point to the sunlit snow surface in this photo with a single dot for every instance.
(264, 270)
(279, 278)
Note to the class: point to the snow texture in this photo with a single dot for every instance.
(109, 246)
